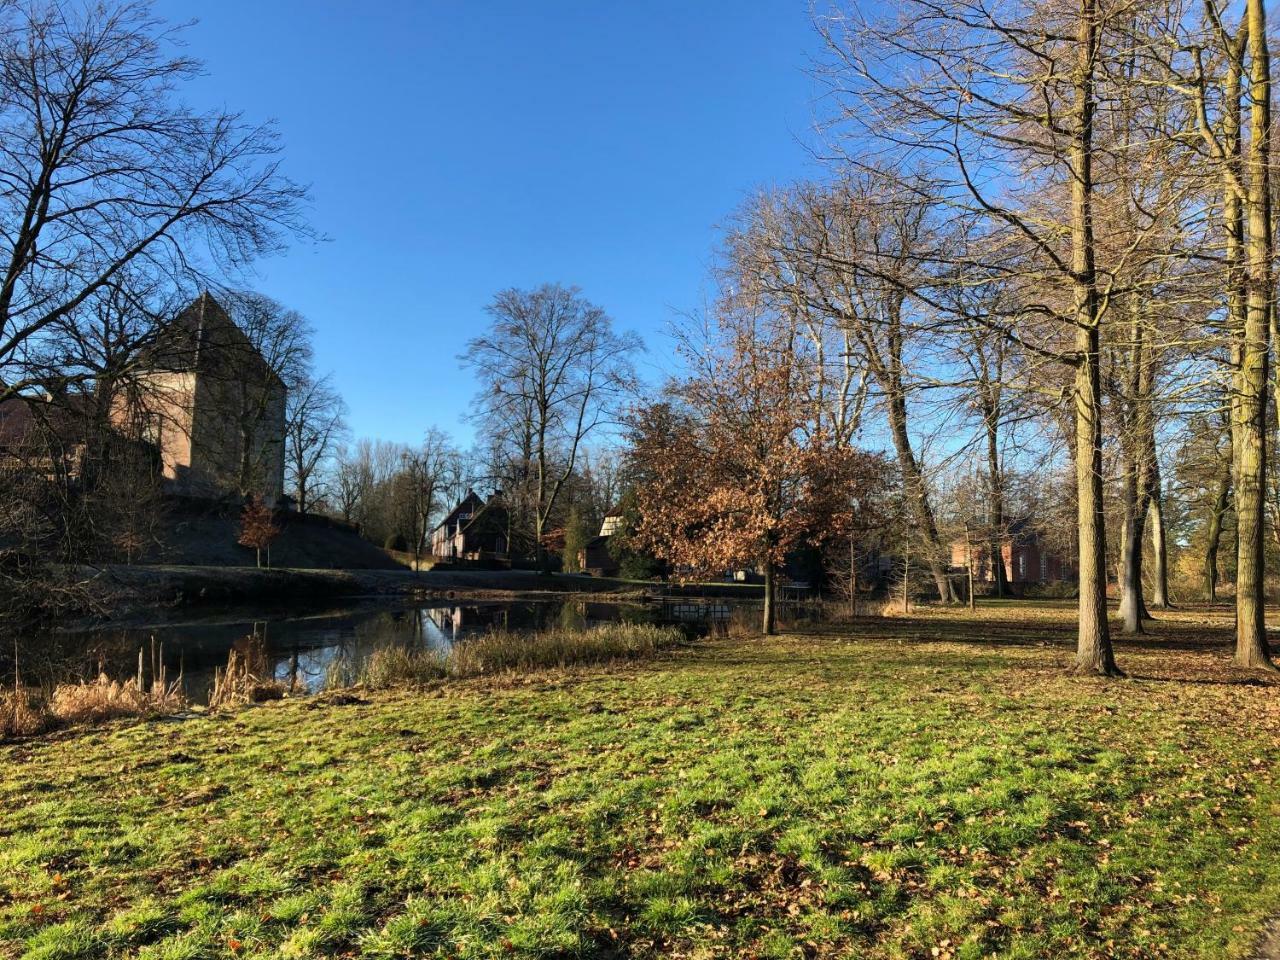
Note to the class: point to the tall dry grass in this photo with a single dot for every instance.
(19, 716)
(25, 712)
(238, 684)
(106, 699)
(506, 651)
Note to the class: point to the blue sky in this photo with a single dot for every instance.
(456, 148)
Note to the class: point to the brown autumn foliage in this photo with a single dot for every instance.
(258, 528)
(733, 472)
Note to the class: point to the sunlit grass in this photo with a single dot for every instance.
(883, 791)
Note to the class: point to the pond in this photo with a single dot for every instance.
(310, 649)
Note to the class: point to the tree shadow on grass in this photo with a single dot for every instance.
(1188, 652)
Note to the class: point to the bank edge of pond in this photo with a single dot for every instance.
(498, 656)
(124, 589)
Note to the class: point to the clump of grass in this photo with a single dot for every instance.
(239, 684)
(398, 666)
(741, 622)
(107, 699)
(503, 651)
(18, 718)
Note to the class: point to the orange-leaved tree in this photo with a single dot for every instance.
(257, 526)
(731, 471)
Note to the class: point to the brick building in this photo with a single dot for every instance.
(1027, 558)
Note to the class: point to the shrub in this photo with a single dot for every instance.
(18, 718)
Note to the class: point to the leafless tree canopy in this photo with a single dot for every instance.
(110, 185)
(552, 372)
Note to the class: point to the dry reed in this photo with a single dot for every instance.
(503, 651)
(237, 684)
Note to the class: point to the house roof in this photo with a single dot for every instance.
(472, 499)
(203, 337)
(20, 417)
(487, 509)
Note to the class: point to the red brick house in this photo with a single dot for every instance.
(1028, 559)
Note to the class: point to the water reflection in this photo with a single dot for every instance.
(307, 652)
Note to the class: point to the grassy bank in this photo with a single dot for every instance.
(913, 788)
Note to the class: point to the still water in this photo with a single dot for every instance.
(308, 650)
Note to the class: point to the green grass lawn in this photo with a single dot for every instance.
(925, 788)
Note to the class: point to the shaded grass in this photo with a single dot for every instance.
(834, 794)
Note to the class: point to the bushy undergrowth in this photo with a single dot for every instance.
(19, 717)
(501, 651)
(107, 699)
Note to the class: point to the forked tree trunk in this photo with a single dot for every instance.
(1093, 644)
(918, 496)
(1135, 419)
(1251, 379)
(1132, 611)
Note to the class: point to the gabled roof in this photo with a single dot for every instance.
(488, 510)
(471, 502)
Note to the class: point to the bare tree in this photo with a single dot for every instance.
(848, 258)
(314, 428)
(428, 469)
(259, 413)
(106, 172)
(1002, 100)
(1243, 168)
(551, 366)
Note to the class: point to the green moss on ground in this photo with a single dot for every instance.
(918, 788)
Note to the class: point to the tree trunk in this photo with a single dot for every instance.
(1214, 537)
(853, 579)
(918, 496)
(539, 551)
(770, 625)
(1093, 645)
(1251, 378)
(995, 513)
(1135, 419)
(1131, 606)
(968, 557)
(906, 575)
(1159, 549)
